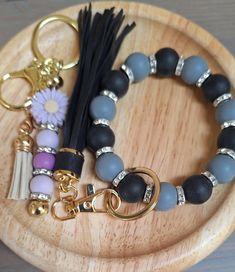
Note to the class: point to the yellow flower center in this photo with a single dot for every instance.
(51, 106)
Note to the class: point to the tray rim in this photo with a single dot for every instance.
(224, 230)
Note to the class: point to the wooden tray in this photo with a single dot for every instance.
(161, 124)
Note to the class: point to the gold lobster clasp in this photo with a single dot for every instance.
(39, 74)
(42, 72)
(71, 207)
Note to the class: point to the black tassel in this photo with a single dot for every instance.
(99, 46)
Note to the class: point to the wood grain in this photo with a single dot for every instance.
(153, 242)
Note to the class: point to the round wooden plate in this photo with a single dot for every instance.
(161, 124)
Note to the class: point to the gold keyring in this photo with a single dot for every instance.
(7, 105)
(41, 24)
(149, 207)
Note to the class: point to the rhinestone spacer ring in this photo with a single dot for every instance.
(120, 177)
(179, 66)
(110, 94)
(180, 195)
(46, 149)
(211, 178)
(203, 78)
(103, 122)
(50, 127)
(128, 72)
(226, 151)
(40, 196)
(221, 99)
(228, 124)
(153, 64)
(45, 172)
(103, 150)
(148, 193)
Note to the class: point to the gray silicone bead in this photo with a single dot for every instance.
(225, 111)
(102, 107)
(108, 166)
(194, 67)
(168, 197)
(222, 167)
(139, 64)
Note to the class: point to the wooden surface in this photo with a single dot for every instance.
(163, 93)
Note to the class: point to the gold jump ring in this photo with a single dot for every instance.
(149, 207)
(41, 24)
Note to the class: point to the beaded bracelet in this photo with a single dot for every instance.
(109, 167)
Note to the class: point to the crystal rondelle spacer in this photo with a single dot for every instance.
(45, 172)
(128, 72)
(153, 64)
(40, 196)
(227, 124)
(120, 177)
(148, 193)
(180, 195)
(103, 150)
(50, 127)
(179, 67)
(226, 151)
(110, 94)
(203, 77)
(103, 122)
(46, 149)
(211, 178)
(221, 98)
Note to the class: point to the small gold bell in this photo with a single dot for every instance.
(38, 208)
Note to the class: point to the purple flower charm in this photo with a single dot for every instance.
(49, 107)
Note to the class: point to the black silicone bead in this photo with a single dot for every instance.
(132, 188)
(167, 59)
(215, 86)
(197, 189)
(116, 82)
(100, 136)
(226, 138)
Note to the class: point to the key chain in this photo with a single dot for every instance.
(92, 108)
(45, 109)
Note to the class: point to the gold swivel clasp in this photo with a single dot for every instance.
(67, 207)
(42, 72)
(39, 75)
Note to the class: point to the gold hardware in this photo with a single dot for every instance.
(40, 75)
(72, 207)
(42, 72)
(66, 180)
(26, 126)
(71, 150)
(41, 24)
(38, 208)
(149, 207)
(24, 141)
